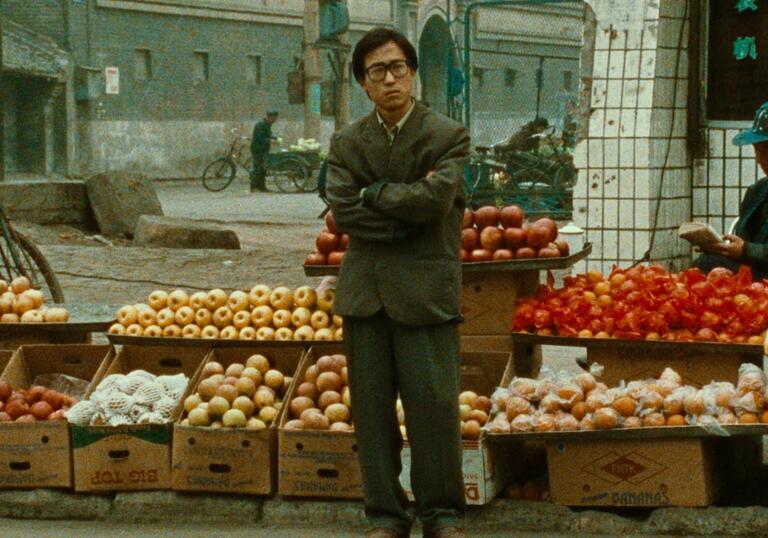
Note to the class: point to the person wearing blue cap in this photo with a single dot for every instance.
(261, 141)
(748, 244)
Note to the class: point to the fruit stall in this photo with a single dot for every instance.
(25, 318)
(246, 391)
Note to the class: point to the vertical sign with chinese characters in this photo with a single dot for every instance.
(737, 58)
(112, 80)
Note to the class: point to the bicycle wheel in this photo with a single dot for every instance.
(307, 183)
(284, 174)
(34, 266)
(219, 174)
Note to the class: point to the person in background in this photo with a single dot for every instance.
(395, 184)
(748, 244)
(260, 143)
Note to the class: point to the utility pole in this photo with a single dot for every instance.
(2, 101)
(312, 70)
(342, 85)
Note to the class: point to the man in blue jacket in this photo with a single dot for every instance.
(260, 144)
(748, 245)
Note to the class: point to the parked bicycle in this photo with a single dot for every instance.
(286, 170)
(19, 256)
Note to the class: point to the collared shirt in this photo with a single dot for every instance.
(392, 133)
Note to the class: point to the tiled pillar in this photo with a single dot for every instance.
(637, 140)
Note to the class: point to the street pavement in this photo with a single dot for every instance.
(14, 528)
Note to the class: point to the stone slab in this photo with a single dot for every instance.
(171, 232)
(46, 202)
(119, 199)
(286, 512)
(53, 504)
(171, 506)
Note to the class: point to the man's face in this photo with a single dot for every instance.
(272, 119)
(761, 154)
(391, 93)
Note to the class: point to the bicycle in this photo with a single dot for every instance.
(21, 257)
(286, 170)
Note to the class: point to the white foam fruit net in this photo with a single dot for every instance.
(136, 398)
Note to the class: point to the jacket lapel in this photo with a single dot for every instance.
(402, 156)
(376, 147)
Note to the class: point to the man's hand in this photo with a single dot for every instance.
(732, 247)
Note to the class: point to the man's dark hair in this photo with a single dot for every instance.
(373, 40)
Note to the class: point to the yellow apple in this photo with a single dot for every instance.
(262, 316)
(301, 316)
(305, 296)
(281, 298)
(259, 295)
(320, 320)
(325, 300)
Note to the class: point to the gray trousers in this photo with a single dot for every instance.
(422, 365)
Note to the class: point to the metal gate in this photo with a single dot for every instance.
(515, 85)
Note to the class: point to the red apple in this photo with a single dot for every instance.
(492, 238)
(515, 238)
(343, 241)
(549, 252)
(335, 257)
(469, 219)
(503, 254)
(486, 216)
(512, 216)
(315, 258)
(550, 225)
(464, 256)
(470, 239)
(481, 255)
(525, 252)
(563, 246)
(538, 236)
(331, 223)
(327, 242)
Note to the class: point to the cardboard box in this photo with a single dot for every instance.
(698, 369)
(5, 357)
(527, 358)
(39, 455)
(133, 457)
(638, 473)
(488, 300)
(317, 463)
(232, 460)
(486, 469)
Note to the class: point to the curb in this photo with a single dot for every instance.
(278, 512)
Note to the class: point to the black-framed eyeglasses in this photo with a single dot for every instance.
(378, 72)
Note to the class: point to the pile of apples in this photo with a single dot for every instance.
(473, 410)
(261, 314)
(246, 395)
(20, 303)
(330, 244)
(492, 234)
(582, 403)
(322, 400)
(32, 404)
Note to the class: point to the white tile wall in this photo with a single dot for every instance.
(628, 130)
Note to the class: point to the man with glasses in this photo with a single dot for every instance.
(395, 185)
(748, 244)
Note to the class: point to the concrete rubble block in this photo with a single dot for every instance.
(171, 232)
(337, 513)
(166, 506)
(710, 521)
(53, 504)
(119, 199)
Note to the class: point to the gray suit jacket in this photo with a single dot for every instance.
(404, 223)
